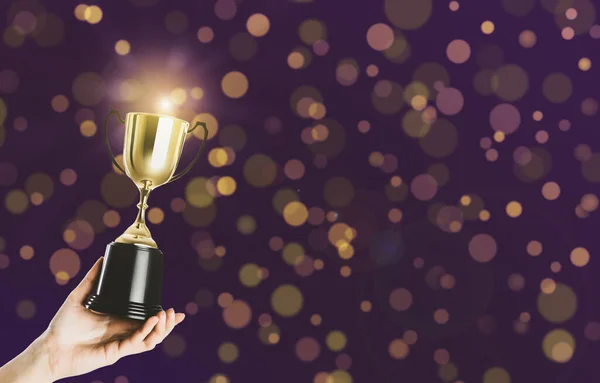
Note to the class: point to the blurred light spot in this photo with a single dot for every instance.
(16, 202)
(311, 31)
(26, 252)
(580, 256)
(26, 309)
(174, 345)
(92, 14)
(242, 46)
(60, 103)
(505, 118)
(237, 314)
(260, 170)
(483, 248)
(88, 128)
(458, 51)
(559, 305)
(178, 96)
(228, 352)
(558, 345)
(336, 340)
(156, 215)
(111, 218)
(225, 10)
(234, 84)
(295, 213)
(557, 88)
(250, 275)
(400, 299)
(79, 234)
(487, 27)
(496, 375)
(246, 224)
(287, 300)
(514, 209)
(205, 35)
(122, 47)
(307, 349)
(66, 261)
(380, 36)
(408, 14)
(398, 349)
(258, 25)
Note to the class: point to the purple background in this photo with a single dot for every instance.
(53, 142)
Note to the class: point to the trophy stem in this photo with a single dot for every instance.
(138, 233)
(140, 219)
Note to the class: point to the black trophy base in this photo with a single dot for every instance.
(130, 282)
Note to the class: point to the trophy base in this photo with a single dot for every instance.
(130, 282)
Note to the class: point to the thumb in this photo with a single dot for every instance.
(87, 283)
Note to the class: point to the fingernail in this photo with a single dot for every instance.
(171, 311)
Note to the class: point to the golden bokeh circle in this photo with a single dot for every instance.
(122, 47)
(496, 375)
(234, 84)
(558, 345)
(237, 314)
(197, 194)
(260, 170)
(514, 209)
(287, 300)
(258, 25)
(408, 14)
(16, 202)
(336, 340)
(156, 215)
(92, 14)
(246, 224)
(580, 256)
(558, 303)
(228, 352)
(250, 275)
(295, 213)
(226, 185)
(311, 31)
(26, 252)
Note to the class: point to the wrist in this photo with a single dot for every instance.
(47, 356)
(31, 365)
(40, 358)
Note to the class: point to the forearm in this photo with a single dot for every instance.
(30, 366)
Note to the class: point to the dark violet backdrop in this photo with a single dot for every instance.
(398, 138)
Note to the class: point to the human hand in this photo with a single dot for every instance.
(78, 341)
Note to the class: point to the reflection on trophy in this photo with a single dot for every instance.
(130, 283)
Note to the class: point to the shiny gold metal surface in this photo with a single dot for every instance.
(151, 152)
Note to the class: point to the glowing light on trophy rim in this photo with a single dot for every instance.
(164, 104)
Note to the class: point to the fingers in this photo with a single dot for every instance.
(143, 332)
(87, 283)
(153, 332)
(166, 323)
(170, 322)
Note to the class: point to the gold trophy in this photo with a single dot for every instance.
(130, 282)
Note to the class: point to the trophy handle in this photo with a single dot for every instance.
(110, 152)
(190, 166)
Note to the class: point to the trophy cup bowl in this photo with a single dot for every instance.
(130, 282)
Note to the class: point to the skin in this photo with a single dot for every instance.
(78, 341)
